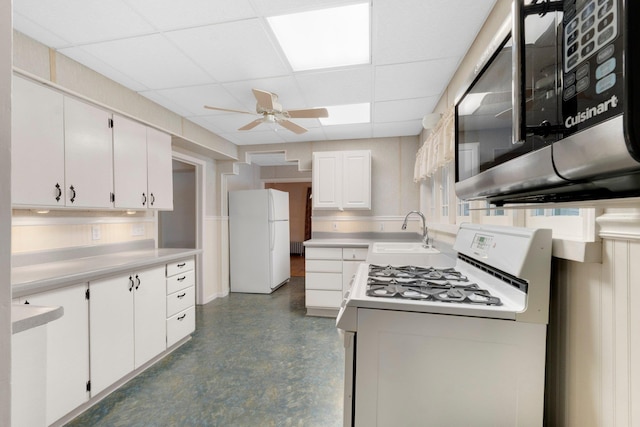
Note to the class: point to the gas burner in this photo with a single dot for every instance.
(424, 290)
(412, 272)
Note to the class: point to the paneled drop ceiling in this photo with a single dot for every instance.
(185, 54)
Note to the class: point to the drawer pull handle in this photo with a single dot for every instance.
(181, 295)
(181, 265)
(131, 284)
(180, 279)
(138, 282)
(181, 318)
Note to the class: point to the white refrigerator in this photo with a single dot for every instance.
(258, 240)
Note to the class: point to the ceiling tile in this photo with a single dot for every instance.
(193, 13)
(281, 7)
(151, 60)
(413, 80)
(253, 137)
(409, 128)
(422, 29)
(401, 110)
(357, 131)
(191, 100)
(232, 51)
(37, 32)
(337, 87)
(84, 21)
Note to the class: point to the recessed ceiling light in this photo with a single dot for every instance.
(347, 114)
(324, 38)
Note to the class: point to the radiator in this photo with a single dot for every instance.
(296, 248)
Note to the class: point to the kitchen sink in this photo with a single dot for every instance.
(403, 248)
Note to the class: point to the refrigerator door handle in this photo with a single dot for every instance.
(272, 235)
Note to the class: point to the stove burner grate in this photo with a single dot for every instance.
(412, 272)
(448, 287)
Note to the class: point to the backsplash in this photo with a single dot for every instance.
(32, 232)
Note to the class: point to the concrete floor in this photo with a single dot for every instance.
(254, 360)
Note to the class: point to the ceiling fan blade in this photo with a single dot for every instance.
(292, 126)
(310, 113)
(265, 99)
(251, 125)
(228, 109)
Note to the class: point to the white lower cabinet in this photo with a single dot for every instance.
(127, 324)
(180, 300)
(67, 353)
(28, 377)
(328, 272)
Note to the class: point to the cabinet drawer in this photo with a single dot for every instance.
(180, 300)
(180, 281)
(323, 299)
(323, 266)
(323, 253)
(180, 266)
(180, 325)
(329, 281)
(355, 254)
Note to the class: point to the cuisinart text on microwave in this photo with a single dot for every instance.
(551, 113)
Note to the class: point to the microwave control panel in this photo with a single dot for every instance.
(592, 62)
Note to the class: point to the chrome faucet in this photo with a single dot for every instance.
(425, 232)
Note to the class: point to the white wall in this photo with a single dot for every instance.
(5, 212)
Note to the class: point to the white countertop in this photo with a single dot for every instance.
(30, 279)
(24, 317)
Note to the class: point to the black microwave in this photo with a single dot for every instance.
(551, 113)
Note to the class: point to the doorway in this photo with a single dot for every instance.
(177, 228)
(299, 220)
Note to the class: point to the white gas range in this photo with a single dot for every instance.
(434, 345)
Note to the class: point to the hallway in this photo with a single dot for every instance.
(254, 360)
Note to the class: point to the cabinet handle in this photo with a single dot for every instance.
(181, 265)
(181, 295)
(27, 302)
(180, 279)
(153, 198)
(131, 284)
(58, 192)
(73, 194)
(144, 199)
(138, 282)
(182, 317)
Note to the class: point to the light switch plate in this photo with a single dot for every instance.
(137, 229)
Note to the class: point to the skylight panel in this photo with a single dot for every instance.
(325, 38)
(347, 114)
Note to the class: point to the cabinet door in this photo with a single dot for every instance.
(327, 180)
(67, 350)
(160, 170)
(150, 314)
(129, 163)
(356, 180)
(37, 148)
(111, 330)
(88, 155)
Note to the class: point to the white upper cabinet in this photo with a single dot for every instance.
(159, 170)
(129, 163)
(66, 152)
(88, 155)
(37, 149)
(342, 180)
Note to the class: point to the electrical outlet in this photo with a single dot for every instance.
(335, 226)
(96, 232)
(137, 229)
(382, 226)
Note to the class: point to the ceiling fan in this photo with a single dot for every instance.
(272, 112)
